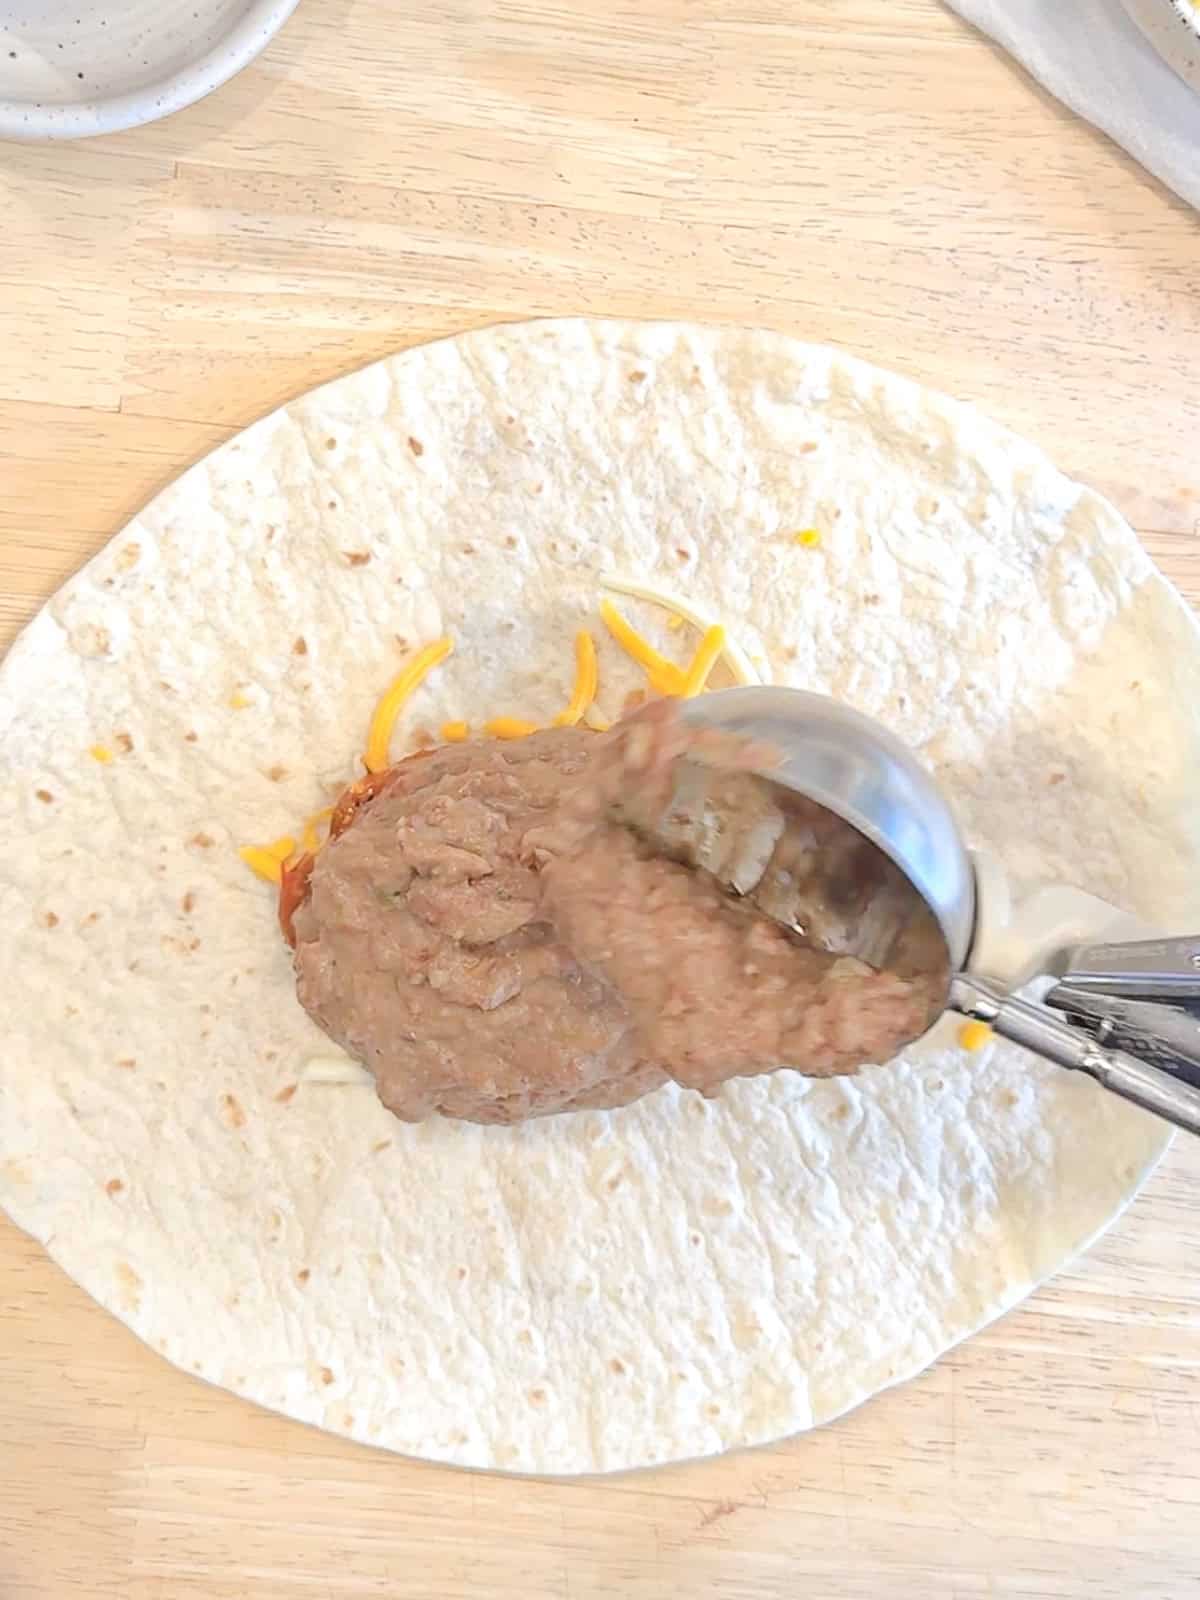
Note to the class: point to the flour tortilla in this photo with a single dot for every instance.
(603, 1290)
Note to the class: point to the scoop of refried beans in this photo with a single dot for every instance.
(510, 929)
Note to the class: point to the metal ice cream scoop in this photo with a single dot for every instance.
(1126, 1012)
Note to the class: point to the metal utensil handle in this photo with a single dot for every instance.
(1150, 968)
(1049, 1036)
(1160, 1035)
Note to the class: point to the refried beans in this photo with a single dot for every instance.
(511, 929)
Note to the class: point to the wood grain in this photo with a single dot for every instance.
(394, 170)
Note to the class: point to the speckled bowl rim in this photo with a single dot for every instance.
(84, 119)
(1155, 31)
(1189, 14)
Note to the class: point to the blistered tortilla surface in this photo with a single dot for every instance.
(602, 1290)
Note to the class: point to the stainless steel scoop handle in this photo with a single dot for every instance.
(1150, 969)
(1047, 1035)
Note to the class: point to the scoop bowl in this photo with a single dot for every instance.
(865, 775)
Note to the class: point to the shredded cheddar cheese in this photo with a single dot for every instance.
(703, 661)
(309, 835)
(809, 538)
(101, 753)
(664, 675)
(238, 700)
(380, 735)
(736, 659)
(974, 1035)
(509, 728)
(586, 681)
(262, 862)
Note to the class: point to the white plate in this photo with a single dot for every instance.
(69, 68)
(1173, 28)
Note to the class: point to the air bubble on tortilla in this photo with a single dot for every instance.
(335, 1070)
(90, 640)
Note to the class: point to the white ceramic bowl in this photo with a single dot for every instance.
(1173, 28)
(70, 68)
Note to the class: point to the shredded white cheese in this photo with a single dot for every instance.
(735, 658)
(335, 1069)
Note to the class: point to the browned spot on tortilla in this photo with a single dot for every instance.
(537, 1396)
(468, 549)
(191, 736)
(92, 917)
(1055, 778)
(808, 447)
(193, 944)
(713, 1411)
(300, 646)
(415, 445)
(637, 376)
(326, 1375)
(128, 1063)
(682, 554)
(303, 1275)
(277, 773)
(871, 599)
(460, 1273)
(525, 1337)
(50, 920)
(841, 1112)
(331, 443)
(635, 698)
(615, 1181)
(234, 1114)
(401, 641)
(127, 556)
(130, 1285)
(616, 1366)
(331, 505)
(511, 541)
(357, 558)
(113, 1186)
(424, 739)
(1136, 684)
(384, 1144)
(189, 901)
(723, 1508)
(347, 1421)
(286, 1093)
(44, 796)
(695, 1238)
(203, 840)
(123, 743)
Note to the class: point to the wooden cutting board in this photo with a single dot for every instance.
(392, 170)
